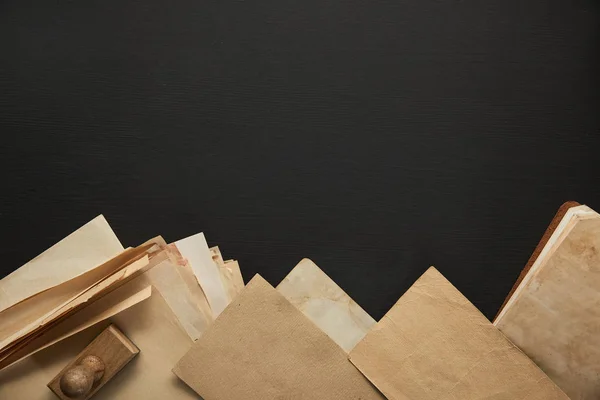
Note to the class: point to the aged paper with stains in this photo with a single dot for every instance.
(87, 247)
(554, 316)
(262, 347)
(321, 300)
(196, 251)
(435, 345)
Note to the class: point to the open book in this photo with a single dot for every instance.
(553, 311)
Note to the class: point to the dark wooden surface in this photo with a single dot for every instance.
(375, 137)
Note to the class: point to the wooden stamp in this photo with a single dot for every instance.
(94, 366)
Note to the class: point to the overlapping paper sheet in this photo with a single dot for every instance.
(27, 320)
(262, 347)
(554, 315)
(323, 302)
(177, 312)
(435, 345)
(196, 251)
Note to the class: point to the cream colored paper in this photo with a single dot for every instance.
(554, 316)
(196, 251)
(230, 272)
(232, 278)
(154, 329)
(167, 278)
(435, 345)
(89, 246)
(262, 347)
(104, 308)
(321, 300)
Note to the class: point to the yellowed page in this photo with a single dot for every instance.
(169, 282)
(435, 345)
(32, 313)
(104, 308)
(87, 247)
(196, 251)
(555, 318)
(321, 300)
(262, 347)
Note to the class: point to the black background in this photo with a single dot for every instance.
(376, 137)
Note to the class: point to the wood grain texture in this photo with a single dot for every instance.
(113, 348)
(376, 138)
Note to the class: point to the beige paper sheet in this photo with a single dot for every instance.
(321, 300)
(89, 246)
(230, 272)
(196, 251)
(555, 319)
(262, 347)
(151, 325)
(168, 280)
(435, 345)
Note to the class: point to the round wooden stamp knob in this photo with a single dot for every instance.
(79, 380)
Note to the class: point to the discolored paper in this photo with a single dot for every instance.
(321, 300)
(87, 247)
(196, 251)
(554, 315)
(435, 345)
(262, 347)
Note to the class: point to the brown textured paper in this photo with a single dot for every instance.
(87, 247)
(554, 314)
(262, 347)
(435, 345)
(319, 298)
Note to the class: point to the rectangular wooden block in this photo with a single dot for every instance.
(113, 348)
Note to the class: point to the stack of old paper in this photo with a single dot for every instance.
(201, 332)
(162, 296)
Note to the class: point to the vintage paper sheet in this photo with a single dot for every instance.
(230, 272)
(151, 325)
(168, 280)
(196, 251)
(321, 300)
(435, 345)
(555, 316)
(89, 246)
(262, 347)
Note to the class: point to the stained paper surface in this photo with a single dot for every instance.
(262, 347)
(89, 246)
(151, 326)
(321, 300)
(196, 251)
(554, 316)
(435, 345)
